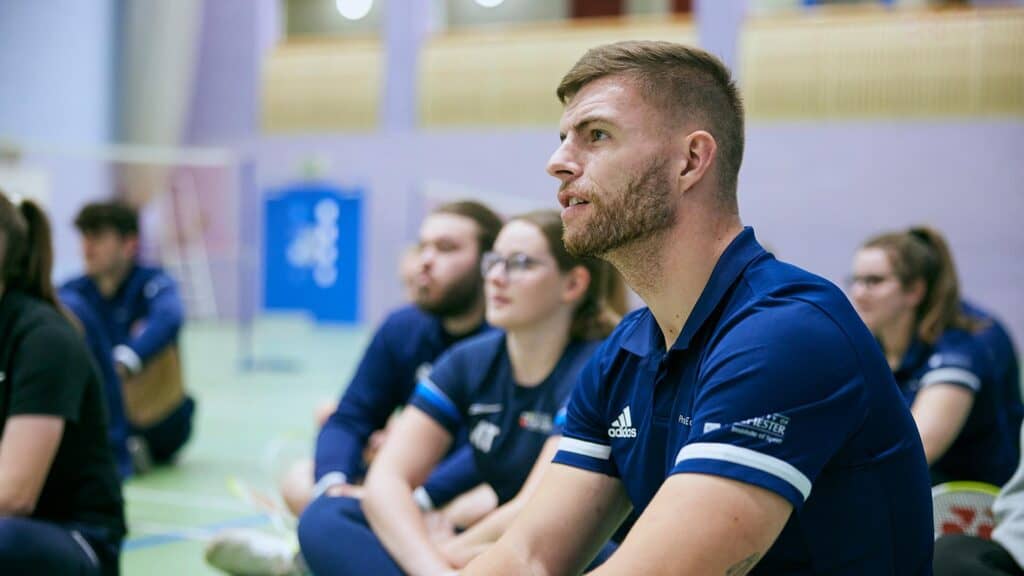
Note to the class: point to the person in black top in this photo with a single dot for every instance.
(61, 510)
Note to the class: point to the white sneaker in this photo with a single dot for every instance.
(247, 552)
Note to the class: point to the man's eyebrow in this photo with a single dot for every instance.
(586, 121)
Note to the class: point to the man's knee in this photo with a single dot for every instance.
(297, 486)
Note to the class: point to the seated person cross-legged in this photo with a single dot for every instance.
(138, 311)
(61, 510)
(905, 288)
(505, 388)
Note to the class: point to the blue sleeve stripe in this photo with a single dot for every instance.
(438, 399)
(561, 418)
(952, 376)
(749, 458)
(583, 448)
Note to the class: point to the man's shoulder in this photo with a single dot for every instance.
(408, 318)
(147, 274)
(76, 285)
(782, 297)
(786, 312)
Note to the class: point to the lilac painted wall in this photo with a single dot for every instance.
(49, 103)
(816, 191)
(813, 191)
(235, 37)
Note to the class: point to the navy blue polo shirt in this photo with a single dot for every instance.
(473, 386)
(985, 450)
(774, 381)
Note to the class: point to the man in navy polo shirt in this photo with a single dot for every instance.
(747, 416)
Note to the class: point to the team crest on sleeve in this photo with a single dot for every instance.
(622, 427)
(770, 428)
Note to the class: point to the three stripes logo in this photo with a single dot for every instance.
(622, 427)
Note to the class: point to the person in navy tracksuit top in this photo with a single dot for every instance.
(505, 388)
(133, 313)
(1005, 362)
(905, 288)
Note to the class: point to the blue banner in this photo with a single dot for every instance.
(312, 238)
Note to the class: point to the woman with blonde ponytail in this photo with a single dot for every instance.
(905, 288)
(60, 500)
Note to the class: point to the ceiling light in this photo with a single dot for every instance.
(354, 9)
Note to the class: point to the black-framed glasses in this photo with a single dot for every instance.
(512, 265)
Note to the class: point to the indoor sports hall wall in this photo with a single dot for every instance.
(813, 190)
(842, 142)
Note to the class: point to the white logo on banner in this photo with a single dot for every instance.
(316, 246)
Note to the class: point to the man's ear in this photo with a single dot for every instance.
(700, 151)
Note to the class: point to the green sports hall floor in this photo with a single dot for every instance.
(249, 423)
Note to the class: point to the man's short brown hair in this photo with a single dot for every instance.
(487, 221)
(112, 215)
(691, 84)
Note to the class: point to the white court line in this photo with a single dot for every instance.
(141, 529)
(185, 500)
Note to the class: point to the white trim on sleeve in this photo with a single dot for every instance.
(126, 356)
(583, 448)
(328, 481)
(423, 499)
(951, 375)
(749, 458)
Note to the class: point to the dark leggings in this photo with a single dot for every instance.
(165, 438)
(960, 555)
(336, 539)
(34, 547)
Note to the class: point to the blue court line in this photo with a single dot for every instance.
(154, 540)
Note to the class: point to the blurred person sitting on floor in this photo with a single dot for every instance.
(1005, 362)
(135, 312)
(61, 510)
(905, 288)
(1003, 554)
(448, 307)
(506, 387)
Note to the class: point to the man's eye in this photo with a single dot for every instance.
(596, 135)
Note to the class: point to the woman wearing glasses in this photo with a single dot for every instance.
(507, 388)
(905, 288)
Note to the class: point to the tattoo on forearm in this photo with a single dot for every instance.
(743, 566)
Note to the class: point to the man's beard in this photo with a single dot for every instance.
(463, 294)
(639, 211)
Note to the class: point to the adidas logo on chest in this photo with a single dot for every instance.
(622, 427)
